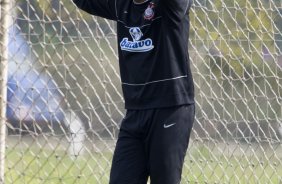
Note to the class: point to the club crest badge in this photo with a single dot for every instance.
(149, 12)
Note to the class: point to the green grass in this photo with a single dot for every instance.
(205, 167)
(35, 166)
(55, 168)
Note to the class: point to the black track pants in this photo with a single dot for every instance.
(152, 143)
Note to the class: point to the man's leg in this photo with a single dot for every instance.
(168, 143)
(129, 164)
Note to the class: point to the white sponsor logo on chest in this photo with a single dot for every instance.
(137, 45)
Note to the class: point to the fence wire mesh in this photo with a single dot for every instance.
(64, 101)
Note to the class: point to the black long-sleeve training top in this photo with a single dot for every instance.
(153, 50)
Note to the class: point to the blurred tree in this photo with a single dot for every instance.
(237, 44)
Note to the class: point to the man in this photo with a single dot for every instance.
(157, 86)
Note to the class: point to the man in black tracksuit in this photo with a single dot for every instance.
(157, 85)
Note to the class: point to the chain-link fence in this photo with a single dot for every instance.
(64, 101)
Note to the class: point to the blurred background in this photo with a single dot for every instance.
(64, 100)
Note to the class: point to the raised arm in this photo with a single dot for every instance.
(176, 8)
(101, 8)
